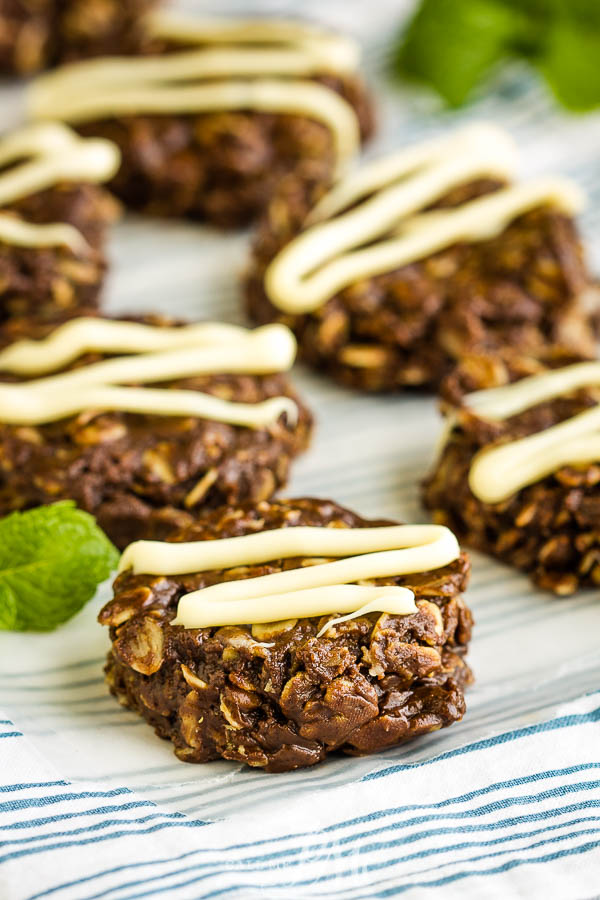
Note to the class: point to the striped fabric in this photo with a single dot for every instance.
(511, 816)
(504, 805)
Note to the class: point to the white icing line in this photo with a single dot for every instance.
(24, 405)
(161, 558)
(258, 355)
(196, 611)
(48, 153)
(85, 79)
(93, 160)
(273, 345)
(200, 350)
(338, 52)
(503, 402)
(423, 547)
(481, 139)
(295, 283)
(19, 233)
(498, 472)
(290, 97)
(37, 139)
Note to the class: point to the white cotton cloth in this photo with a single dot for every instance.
(504, 804)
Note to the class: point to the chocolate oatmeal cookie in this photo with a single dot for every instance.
(377, 326)
(37, 34)
(143, 474)
(538, 508)
(52, 220)
(209, 133)
(282, 696)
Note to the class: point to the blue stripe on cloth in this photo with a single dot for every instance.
(188, 823)
(505, 867)
(11, 734)
(511, 864)
(393, 891)
(97, 826)
(482, 810)
(561, 722)
(46, 800)
(113, 871)
(25, 786)
(395, 811)
(508, 736)
(60, 817)
(420, 854)
(559, 791)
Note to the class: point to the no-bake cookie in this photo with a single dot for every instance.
(342, 666)
(518, 475)
(145, 424)
(421, 258)
(53, 215)
(216, 112)
(36, 34)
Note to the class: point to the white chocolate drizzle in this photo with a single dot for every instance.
(274, 343)
(19, 233)
(389, 229)
(197, 350)
(486, 141)
(258, 355)
(354, 600)
(305, 98)
(319, 589)
(264, 67)
(499, 471)
(499, 403)
(39, 156)
(335, 52)
(30, 405)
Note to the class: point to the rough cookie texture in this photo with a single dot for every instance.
(550, 529)
(220, 167)
(143, 475)
(36, 34)
(276, 696)
(40, 281)
(408, 328)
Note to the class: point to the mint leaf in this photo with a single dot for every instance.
(452, 44)
(51, 561)
(8, 610)
(570, 62)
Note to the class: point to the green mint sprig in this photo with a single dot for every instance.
(52, 559)
(454, 45)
